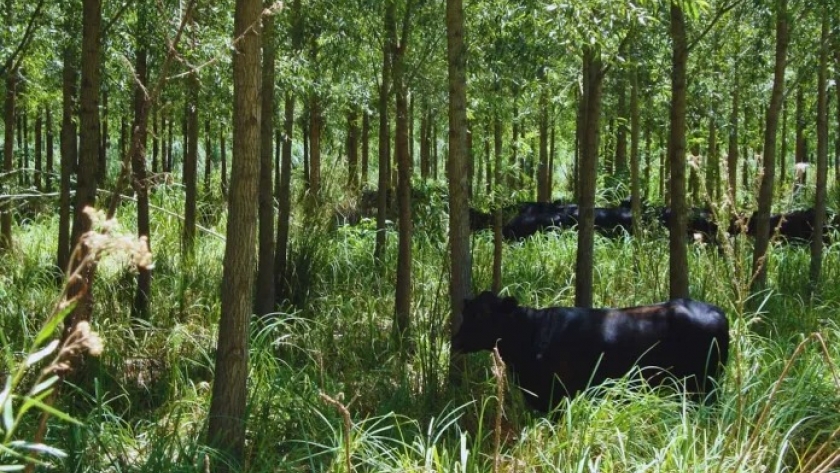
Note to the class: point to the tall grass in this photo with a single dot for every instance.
(777, 410)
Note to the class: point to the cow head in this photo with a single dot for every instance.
(485, 319)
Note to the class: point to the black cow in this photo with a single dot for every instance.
(559, 351)
(535, 217)
(795, 226)
(700, 222)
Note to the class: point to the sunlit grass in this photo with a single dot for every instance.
(777, 410)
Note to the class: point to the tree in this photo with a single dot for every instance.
(402, 300)
(384, 181)
(678, 262)
(226, 431)
(190, 164)
(138, 158)
(822, 154)
(765, 193)
(460, 282)
(265, 296)
(67, 136)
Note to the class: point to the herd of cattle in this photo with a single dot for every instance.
(527, 218)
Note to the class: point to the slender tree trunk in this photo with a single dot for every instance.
(801, 145)
(284, 201)
(460, 282)
(621, 131)
(822, 156)
(170, 145)
(155, 141)
(424, 144)
(104, 144)
(543, 187)
(783, 152)
(497, 213)
(488, 168)
(732, 153)
(384, 134)
(208, 155)
(190, 167)
(837, 90)
(435, 160)
(402, 319)
(591, 115)
(648, 155)
(88, 155)
(50, 164)
(516, 170)
(223, 159)
(712, 161)
(765, 193)
(353, 147)
(39, 150)
(68, 141)
(745, 159)
(365, 146)
(8, 154)
(678, 263)
(635, 192)
(265, 295)
(226, 432)
(140, 308)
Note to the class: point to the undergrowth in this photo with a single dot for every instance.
(149, 400)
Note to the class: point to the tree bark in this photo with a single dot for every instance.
(460, 283)
(587, 176)
(621, 132)
(353, 147)
(67, 140)
(384, 134)
(50, 164)
(265, 290)
(543, 186)
(712, 161)
(39, 149)
(208, 155)
(822, 156)
(284, 200)
(365, 146)
(732, 153)
(104, 144)
(678, 264)
(402, 318)
(190, 167)
(635, 187)
(497, 213)
(140, 309)
(765, 192)
(801, 151)
(8, 154)
(226, 432)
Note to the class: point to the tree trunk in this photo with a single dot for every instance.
(190, 167)
(497, 213)
(88, 155)
(460, 283)
(543, 186)
(765, 193)
(678, 264)
(8, 154)
(732, 153)
(353, 147)
(621, 132)
(745, 158)
(801, 158)
(155, 141)
(384, 134)
(712, 161)
(265, 295)
(140, 184)
(837, 89)
(208, 155)
(402, 312)
(588, 176)
(365, 146)
(635, 193)
(822, 156)
(104, 144)
(784, 147)
(424, 144)
(226, 432)
(284, 201)
(223, 159)
(67, 140)
(39, 149)
(515, 169)
(50, 164)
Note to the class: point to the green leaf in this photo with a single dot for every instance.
(49, 327)
(43, 385)
(8, 414)
(41, 354)
(53, 411)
